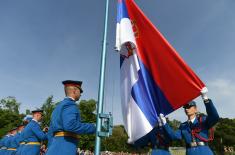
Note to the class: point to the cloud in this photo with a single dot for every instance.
(222, 93)
(222, 88)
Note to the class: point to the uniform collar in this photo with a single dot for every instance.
(192, 120)
(35, 120)
(70, 98)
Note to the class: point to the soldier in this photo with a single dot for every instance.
(27, 119)
(195, 131)
(162, 141)
(20, 140)
(11, 148)
(2, 147)
(13, 140)
(66, 125)
(158, 140)
(33, 135)
(5, 143)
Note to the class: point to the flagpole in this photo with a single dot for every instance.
(101, 84)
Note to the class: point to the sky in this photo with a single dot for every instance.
(45, 42)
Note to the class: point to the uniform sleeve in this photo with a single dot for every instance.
(49, 136)
(4, 141)
(19, 138)
(38, 132)
(173, 135)
(16, 140)
(7, 141)
(213, 116)
(72, 123)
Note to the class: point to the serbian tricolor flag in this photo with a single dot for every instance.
(154, 78)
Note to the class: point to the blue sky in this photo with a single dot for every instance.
(47, 41)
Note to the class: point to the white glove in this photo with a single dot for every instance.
(163, 119)
(204, 92)
(159, 121)
(45, 129)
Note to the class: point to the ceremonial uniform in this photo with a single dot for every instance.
(1, 146)
(162, 142)
(11, 146)
(157, 139)
(18, 141)
(66, 125)
(66, 120)
(196, 133)
(20, 138)
(33, 135)
(3, 150)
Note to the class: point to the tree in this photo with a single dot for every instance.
(27, 112)
(87, 109)
(116, 142)
(10, 104)
(47, 107)
(175, 126)
(9, 114)
(224, 134)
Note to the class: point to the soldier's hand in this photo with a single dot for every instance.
(204, 92)
(163, 119)
(45, 129)
(159, 121)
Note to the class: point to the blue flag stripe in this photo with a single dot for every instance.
(149, 97)
(121, 11)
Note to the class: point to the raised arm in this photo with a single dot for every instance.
(173, 135)
(213, 116)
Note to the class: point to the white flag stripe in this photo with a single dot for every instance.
(135, 122)
(124, 33)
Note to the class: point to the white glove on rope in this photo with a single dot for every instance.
(204, 92)
(163, 119)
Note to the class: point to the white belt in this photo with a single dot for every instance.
(194, 144)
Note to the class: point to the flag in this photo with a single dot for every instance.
(154, 78)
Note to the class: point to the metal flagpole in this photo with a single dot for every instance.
(101, 84)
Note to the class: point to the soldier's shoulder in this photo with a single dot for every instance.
(67, 101)
(183, 125)
(201, 117)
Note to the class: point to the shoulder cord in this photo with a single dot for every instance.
(195, 132)
(161, 139)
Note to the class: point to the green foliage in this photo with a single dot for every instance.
(27, 112)
(9, 114)
(47, 108)
(10, 117)
(175, 125)
(10, 104)
(87, 142)
(87, 109)
(224, 134)
(118, 142)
